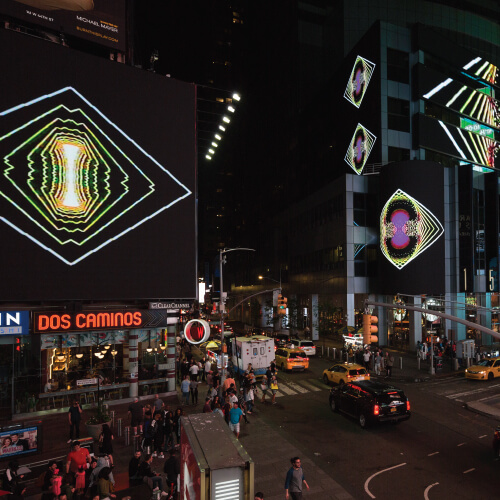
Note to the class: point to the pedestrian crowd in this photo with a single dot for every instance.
(382, 362)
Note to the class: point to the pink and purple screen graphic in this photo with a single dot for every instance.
(407, 228)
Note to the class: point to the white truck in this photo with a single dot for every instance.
(258, 350)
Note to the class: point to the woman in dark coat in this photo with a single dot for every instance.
(106, 442)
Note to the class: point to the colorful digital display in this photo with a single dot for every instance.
(19, 442)
(67, 176)
(472, 140)
(360, 148)
(358, 82)
(407, 228)
(97, 178)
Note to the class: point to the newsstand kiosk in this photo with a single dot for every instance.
(214, 464)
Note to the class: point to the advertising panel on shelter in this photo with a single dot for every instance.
(411, 228)
(99, 21)
(97, 177)
(19, 442)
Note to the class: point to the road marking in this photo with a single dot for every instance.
(468, 393)
(483, 436)
(469, 470)
(297, 387)
(310, 386)
(287, 390)
(431, 454)
(376, 474)
(461, 444)
(426, 492)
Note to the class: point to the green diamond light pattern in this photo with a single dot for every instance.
(407, 228)
(69, 178)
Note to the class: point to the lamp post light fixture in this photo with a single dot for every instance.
(222, 260)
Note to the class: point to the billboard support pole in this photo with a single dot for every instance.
(13, 409)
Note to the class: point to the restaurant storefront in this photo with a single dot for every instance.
(86, 356)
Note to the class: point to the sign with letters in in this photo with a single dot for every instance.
(14, 322)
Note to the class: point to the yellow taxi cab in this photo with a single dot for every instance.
(291, 359)
(342, 373)
(487, 369)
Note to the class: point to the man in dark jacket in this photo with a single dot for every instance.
(172, 469)
(133, 466)
(145, 471)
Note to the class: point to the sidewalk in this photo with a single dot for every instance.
(262, 446)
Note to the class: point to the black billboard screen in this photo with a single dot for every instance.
(99, 21)
(412, 228)
(97, 177)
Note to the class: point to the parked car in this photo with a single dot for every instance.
(342, 373)
(487, 369)
(291, 359)
(306, 345)
(370, 402)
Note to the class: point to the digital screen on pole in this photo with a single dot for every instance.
(99, 21)
(97, 177)
(411, 228)
(19, 442)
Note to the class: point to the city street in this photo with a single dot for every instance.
(443, 451)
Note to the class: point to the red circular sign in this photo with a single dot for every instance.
(197, 331)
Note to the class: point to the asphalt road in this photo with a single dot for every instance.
(444, 450)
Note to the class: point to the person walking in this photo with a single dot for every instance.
(193, 389)
(378, 363)
(235, 415)
(366, 359)
(106, 442)
(264, 387)
(185, 390)
(389, 363)
(74, 418)
(136, 412)
(294, 480)
(274, 388)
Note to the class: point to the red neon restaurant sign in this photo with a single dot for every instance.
(86, 321)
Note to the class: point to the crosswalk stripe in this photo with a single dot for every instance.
(298, 388)
(310, 386)
(287, 390)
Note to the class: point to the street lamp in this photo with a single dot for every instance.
(222, 260)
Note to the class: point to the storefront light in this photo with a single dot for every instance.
(79, 355)
(114, 352)
(107, 347)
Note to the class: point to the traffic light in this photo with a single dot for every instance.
(281, 305)
(369, 328)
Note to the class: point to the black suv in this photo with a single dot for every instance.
(370, 401)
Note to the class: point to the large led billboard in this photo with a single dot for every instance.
(97, 177)
(411, 228)
(99, 21)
